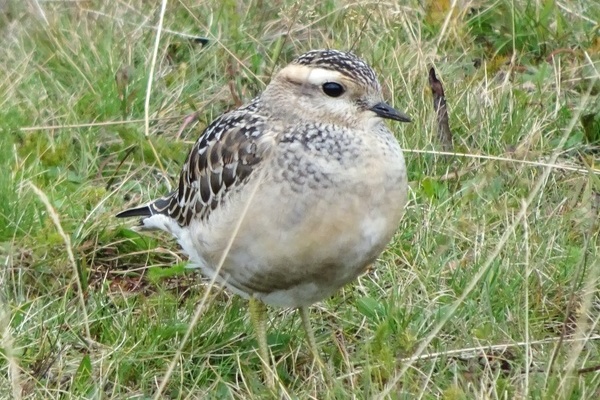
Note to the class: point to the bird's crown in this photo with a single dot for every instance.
(345, 63)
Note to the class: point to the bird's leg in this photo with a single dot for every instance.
(310, 338)
(258, 316)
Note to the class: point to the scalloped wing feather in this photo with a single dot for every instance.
(227, 153)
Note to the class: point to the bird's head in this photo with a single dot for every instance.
(330, 86)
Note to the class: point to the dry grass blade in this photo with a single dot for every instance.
(8, 350)
(69, 248)
(161, 17)
(474, 351)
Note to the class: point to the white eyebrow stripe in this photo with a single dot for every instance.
(311, 75)
(318, 76)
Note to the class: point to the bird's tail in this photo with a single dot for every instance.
(153, 215)
(142, 211)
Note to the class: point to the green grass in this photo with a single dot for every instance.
(488, 290)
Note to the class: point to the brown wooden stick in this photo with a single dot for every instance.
(439, 105)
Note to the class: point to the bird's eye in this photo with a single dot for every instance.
(333, 89)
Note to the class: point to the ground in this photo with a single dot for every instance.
(489, 289)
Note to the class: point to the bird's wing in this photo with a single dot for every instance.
(227, 153)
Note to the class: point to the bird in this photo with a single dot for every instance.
(292, 196)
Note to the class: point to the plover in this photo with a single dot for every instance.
(293, 195)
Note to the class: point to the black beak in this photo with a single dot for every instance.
(384, 110)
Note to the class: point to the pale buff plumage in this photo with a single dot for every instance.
(307, 177)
